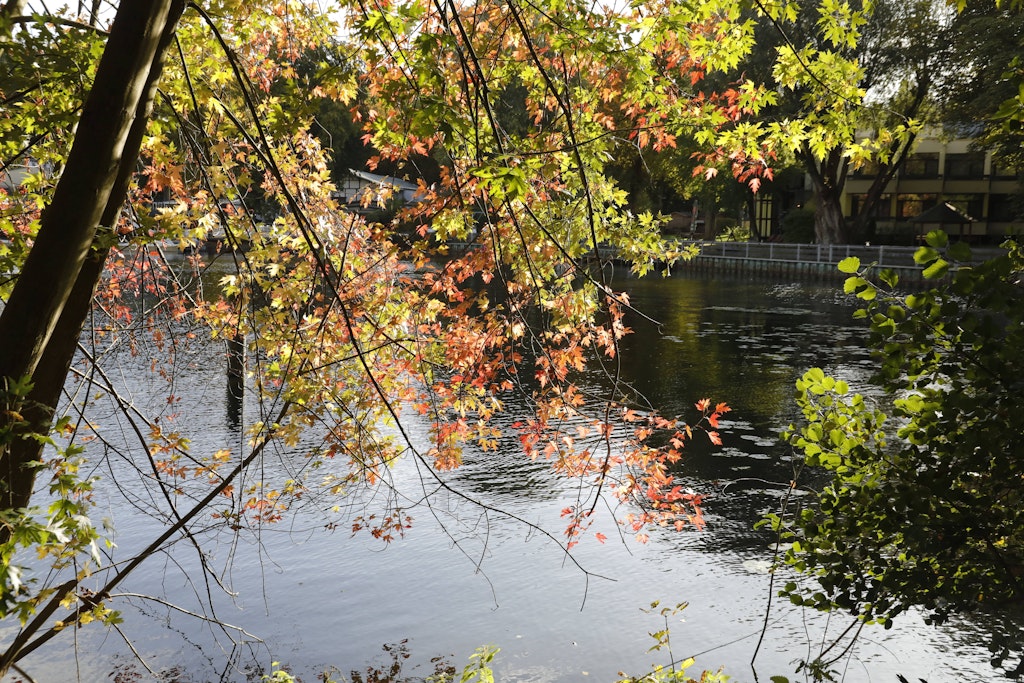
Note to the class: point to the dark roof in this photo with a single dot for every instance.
(941, 214)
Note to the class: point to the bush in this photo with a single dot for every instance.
(901, 234)
(798, 226)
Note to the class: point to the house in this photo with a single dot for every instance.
(365, 192)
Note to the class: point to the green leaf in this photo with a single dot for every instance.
(936, 270)
(959, 251)
(849, 265)
(889, 277)
(867, 294)
(854, 284)
(925, 255)
(937, 239)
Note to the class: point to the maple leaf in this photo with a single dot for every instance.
(601, 538)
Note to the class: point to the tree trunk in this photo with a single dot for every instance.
(750, 204)
(828, 176)
(710, 218)
(11, 9)
(41, 323)
(829, 223)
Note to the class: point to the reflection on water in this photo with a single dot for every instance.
(312, 596)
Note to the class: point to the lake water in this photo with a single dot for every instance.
(311, 595)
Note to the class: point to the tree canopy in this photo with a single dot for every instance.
(854, 84)
(158, 127)
(163, 126)
(982, 95)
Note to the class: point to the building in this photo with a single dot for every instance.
(948, 171)
(362, 191)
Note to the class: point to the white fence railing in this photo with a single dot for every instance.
(884, 256)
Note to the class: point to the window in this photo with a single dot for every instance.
(922, 165)
(970, 204)
(1002, 170)
(869, 169)
(963, 166)
(910, 205)
(883, 208)
(1005, 207)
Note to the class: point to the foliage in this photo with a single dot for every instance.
(798, 226)
(852, 82)
(734, 233)
(344, 340)
(334, 121)
(675, 672)
(61, 533)
(479, 669)
(923, 502)
(982, 95)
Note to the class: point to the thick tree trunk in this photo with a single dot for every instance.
(40, 326)
(868, 207)
(750, 203)
(11, 9)
(828, 176)
(829, 223)
(8, 11)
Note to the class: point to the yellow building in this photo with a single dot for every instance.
(945, 171)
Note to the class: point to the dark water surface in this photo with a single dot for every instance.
(462, 578)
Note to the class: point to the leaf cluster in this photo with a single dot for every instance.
(922, 505)
(61, 533)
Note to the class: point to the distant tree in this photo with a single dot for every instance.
(981, 96)
(849, 97)
(335, 120)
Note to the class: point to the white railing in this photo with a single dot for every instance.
(885, 256)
